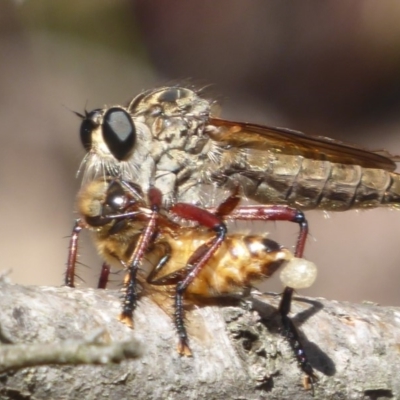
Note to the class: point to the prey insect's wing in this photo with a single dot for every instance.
(289, 142)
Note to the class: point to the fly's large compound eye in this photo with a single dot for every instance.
(88, 125)
(119, 133)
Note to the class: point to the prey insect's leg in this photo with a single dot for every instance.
(104, 274)
(196, 262)
(146, 237)
(284, 213)
(73, 253)
(69, 279)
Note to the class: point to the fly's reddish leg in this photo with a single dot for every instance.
(284, 213)
(196, 262)
(146, 237)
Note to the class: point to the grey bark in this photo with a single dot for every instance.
(238, 352)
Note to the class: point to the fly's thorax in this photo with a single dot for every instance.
(176, 118)
(170, 102)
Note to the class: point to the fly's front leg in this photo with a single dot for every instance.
(284, 213)
(196, 262)
(73, 253)
(147, 236)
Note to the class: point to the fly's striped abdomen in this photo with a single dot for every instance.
(311, 184)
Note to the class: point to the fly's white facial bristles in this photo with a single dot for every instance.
(93, 167)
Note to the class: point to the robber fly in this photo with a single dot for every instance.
(171, 138)
(184, 261)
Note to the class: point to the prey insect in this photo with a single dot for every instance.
(189, 262)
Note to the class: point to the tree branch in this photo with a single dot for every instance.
(73, 352)
(238, 351)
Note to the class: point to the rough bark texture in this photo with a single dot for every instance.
(238, 351)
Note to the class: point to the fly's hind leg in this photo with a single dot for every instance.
(289, 331)
(284, 213)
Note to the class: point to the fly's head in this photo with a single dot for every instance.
(159, 132)
(109, 133)
(114, 143)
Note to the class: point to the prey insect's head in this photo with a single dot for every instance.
(102, 202)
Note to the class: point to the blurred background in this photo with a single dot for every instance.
(329, 68)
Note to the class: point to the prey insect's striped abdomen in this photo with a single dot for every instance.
(240, 262)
